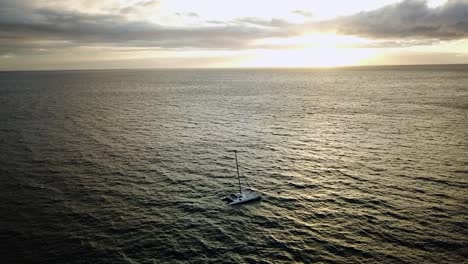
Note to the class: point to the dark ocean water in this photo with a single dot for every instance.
(364, 165)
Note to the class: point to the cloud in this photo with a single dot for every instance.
(303, 13)
(275, 23)
(406, 19)
(192, 14)
(188, 14)
(149, 3)
(30, 24)
(137, 7)
(217, 22)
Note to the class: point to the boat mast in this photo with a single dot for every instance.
(238, 175)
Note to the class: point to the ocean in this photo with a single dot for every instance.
(355, 165)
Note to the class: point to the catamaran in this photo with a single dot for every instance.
(246, 195)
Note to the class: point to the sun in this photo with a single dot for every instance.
(314, 50)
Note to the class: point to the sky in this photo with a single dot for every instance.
(108, 34)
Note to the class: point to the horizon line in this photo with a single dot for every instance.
(239, 68)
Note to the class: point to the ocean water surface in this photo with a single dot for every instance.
(355, 165)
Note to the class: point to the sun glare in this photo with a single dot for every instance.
(313, 50)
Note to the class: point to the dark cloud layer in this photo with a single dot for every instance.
(23, 26)
(407, 19)
(19, 22)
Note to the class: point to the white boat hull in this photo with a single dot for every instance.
(239, 198)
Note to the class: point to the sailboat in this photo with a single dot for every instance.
(244, 196)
